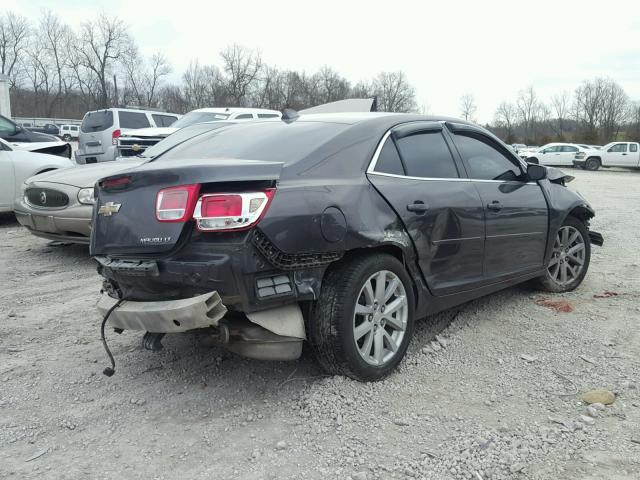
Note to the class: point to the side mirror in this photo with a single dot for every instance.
(536, 172)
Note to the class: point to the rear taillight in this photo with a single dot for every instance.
(115, 135)
(176, 204)
(216, 212)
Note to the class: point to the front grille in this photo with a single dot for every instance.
(46, 198)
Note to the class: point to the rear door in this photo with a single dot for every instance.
(550, 156)
(7, 179)
(95, 132)
(567, 154)
(415, 171)
(515, 210)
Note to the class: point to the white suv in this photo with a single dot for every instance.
(134, 143)
(101, 129)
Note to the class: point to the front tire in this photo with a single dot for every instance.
(570, 258)
(363, 321)
(592, 164)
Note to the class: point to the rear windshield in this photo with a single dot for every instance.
(271, 141)
(97, 121)
(192, 118)
(181, 136)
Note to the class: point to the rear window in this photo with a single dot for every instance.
(192, 118)
(180, 136)
(97, 121)
(163, 120)
(133, 120)
(270, 141)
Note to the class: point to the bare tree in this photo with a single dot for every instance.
(394, 92)
(587, 107)
(242, 67)
(468, 107)
(506, 117)
(527, 106)
(615, 109)
(104, 42)
(331, 85)
(14, 40)
(560, 105)
(144, 78)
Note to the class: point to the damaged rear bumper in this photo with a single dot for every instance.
(274, 334)
(171, 316)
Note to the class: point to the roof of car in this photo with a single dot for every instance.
(235, 110)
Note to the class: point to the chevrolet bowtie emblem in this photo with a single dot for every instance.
(109, 209)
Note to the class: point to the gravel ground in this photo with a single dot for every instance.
(496, 395)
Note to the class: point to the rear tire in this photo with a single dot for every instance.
(569, 260)
(66, 138)
(592, 164)
(365, 343)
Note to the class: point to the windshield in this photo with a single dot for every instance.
(192, 118)
(97, 121)
(268, 140)
(180, 136)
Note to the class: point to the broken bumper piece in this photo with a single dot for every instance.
(172, 316)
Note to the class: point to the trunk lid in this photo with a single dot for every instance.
(129, 225)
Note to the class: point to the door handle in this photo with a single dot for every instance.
(418, 207)
(624, 153)
(495, 206)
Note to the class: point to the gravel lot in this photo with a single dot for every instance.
(496, 396)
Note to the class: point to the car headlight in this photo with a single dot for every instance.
(580, 155)
(86, 196)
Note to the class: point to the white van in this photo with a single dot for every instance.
(100, 130)
(69, 132)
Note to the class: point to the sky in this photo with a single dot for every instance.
(490, 49)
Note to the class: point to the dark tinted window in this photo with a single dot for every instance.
(389, 160)
(633, 147)
(133, 120)
(97, 121)
(485, 162)
(427, 155)
(244, 116)
(268, 115)
(163, 120)
(271, 141)
(7, 126)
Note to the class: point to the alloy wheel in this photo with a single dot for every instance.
(568, 256)
(380, 318)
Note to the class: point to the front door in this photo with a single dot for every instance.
(442, 211)
(515, 209)
(7, 180)
(617, 155)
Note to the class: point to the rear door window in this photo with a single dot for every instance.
(484, 161)
(163, 120)
(569, 149)
(133, 120)
(268, 115)
(97, 121)
(244, 116)
(427, 155)
(633, 147)
(389, 160)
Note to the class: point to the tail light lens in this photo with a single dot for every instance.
(176, 204)
(115, 135)
(216, 212)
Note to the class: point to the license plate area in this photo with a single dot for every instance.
(136, 268)
(43, 224)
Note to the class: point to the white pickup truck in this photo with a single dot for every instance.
(614, 154)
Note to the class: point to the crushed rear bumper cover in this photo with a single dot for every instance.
(596, 238)
(171, 316)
